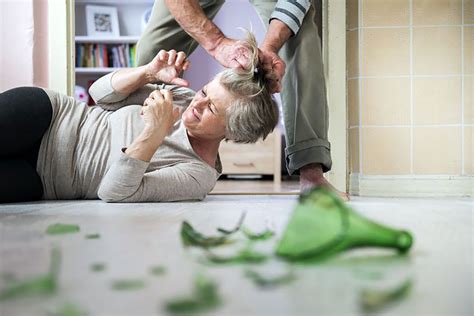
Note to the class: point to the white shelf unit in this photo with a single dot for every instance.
(130, 14)
(107, 40)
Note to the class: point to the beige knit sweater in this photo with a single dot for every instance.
(81, 154)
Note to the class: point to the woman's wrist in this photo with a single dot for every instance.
(145, 145)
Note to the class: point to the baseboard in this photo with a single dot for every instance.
(411, 186)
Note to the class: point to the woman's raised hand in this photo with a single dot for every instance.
(158, 112)
(166, 67)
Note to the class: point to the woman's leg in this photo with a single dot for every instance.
(19, 182)
(25, 115)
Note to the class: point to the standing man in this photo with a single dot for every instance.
(292, 33)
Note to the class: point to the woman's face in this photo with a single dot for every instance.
(205, 116)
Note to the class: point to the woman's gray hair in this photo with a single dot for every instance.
(254, 113)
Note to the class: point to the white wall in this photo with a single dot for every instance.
(23, 43)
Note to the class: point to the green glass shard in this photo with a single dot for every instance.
(245, 255)
(41, 285)
(236, 228)
(270, 282)
(158, 270)
(267, 234)
(191, 237)
(97, 267)
(128, 284)
(93, 236)
(374, 300)
(58, 228)
(68, 309)
(204, 297)
(323, 225)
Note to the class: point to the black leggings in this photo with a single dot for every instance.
(25, 115)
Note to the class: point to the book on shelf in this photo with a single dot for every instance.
(105, 55)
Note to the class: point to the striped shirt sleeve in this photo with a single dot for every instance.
(291, 12)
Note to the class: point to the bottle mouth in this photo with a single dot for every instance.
(404, 241)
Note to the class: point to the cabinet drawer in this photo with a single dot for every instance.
(255, 158)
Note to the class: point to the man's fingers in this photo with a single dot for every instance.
(280, 68)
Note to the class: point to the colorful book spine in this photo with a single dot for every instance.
(105, 55)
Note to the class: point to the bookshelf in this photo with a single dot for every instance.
(129, 14)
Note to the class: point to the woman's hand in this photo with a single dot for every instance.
(158, 113)
(166, 67)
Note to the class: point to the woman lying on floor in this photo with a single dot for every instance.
(133, 146)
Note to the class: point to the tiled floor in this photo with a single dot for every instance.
(135, 237)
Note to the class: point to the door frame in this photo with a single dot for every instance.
(334, 57)
(61, 52)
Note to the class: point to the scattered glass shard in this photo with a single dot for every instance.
(191, 237)
(128, 284)
(236, 228)
(203, 298)
(270, 282)
(68, 309)
(98, 267)
(372, 300)
(93, 236)
(41, 285)
(267, 234)
(322, 225)
(245, 255)
(158, 270)
(58, 228)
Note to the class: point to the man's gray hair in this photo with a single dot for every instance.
(254, 113)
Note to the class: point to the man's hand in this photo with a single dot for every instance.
(231, 53)
(166, 67)
(273, 66)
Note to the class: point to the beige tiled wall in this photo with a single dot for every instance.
(410, 86)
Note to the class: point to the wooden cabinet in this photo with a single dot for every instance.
(261, 158)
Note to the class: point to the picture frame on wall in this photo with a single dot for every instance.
(102, 21)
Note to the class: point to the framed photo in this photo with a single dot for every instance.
(102, 21)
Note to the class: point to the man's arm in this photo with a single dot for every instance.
(191, 17)
(285, 22)
(228, 52)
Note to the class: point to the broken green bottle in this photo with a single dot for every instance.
(323, 225)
